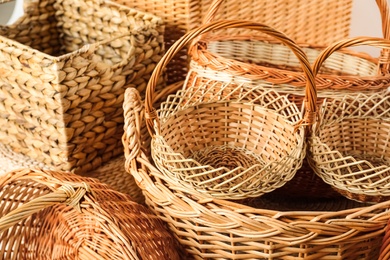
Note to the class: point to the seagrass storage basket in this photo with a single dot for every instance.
(267, 228)
(59, 215)
(64, 68)
(181, 16)
(232, 148)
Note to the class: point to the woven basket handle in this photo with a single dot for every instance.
(69, 194)
(384, 59)
(310, 94)
(355, 41)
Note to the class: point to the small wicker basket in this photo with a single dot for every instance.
(64, 66)
(232, 148)
(58, 215)
(350, 146)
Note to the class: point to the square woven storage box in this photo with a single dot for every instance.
(64, 67)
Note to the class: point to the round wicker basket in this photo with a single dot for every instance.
(231, 148)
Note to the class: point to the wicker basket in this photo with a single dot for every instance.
(231, 148)
(211, 228)
(385, 249)
(350, 147)
(181, 16)
(252, 59)
(64, 66)
(58, 215)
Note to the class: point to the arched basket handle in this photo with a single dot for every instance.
(310, 90)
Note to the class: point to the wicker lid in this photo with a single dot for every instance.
(58, 215)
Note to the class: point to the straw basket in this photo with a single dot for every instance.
(211, 228)
(58, 215)
(232, 148)
(350, 147)
(253, 59)
(64, 66)
(181, 16)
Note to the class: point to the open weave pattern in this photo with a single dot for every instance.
(64, 66)
(350, 148)
(253, 59)
(231, 146)
(58, 215)
(211, 228)
(231, 149)
(304, 18)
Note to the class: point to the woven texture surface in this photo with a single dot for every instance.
(350, 148)
(65, 65)
(304, 20)
(237, 148)
(58, 215)
(275, 227)
(253, 59)
(112, 173)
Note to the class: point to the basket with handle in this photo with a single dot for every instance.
(232, 148)
(59, 215)
(252, 59)
(350, 146)
(64, 66)
(181, 16)
(211, 228)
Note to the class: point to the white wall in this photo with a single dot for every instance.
(365, 19)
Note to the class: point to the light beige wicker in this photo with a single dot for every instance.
(251, 59)
(64, 66)
(350, 146)
(57, 215)
(211, 228)
(231, 148)
(304, 18)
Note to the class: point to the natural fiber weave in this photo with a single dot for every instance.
(253, 59)
(58, 215)
(111, 173)
(304, 18)
(385, 249)
(350, 147)
(231, 148)
(211, 228)
(64, 66)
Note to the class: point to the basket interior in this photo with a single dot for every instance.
(362, 138)
(255, 131)
(58, 28)
(225, 146)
